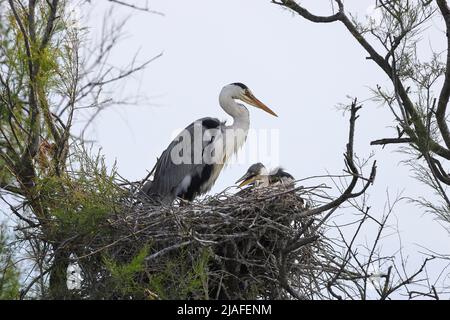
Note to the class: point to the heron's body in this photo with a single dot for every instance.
(194, 159)
(279, 176)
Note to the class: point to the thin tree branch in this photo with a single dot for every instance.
(135, 7)
(445, 90)
(390, 141)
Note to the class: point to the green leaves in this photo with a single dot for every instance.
(123, 276)
(182, 276)
(81, 199)
(178, 276)
(9, 275)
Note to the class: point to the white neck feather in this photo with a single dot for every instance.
(241, 121)
(240, 114)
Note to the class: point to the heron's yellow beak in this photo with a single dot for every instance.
(252, 100)
(246, 182)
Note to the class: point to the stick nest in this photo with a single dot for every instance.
(253, 244)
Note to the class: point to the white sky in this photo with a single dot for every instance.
(299, 69)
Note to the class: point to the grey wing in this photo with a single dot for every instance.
(182, 161)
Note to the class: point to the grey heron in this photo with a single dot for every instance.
(258, 176)
(194, 159)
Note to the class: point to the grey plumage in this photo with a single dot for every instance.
(185, 180)
(257, 176)
(257, 168)
(278, 175)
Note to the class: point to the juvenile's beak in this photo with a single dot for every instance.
(252, 100)
(246, 179)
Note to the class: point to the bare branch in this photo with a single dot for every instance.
(291, 4)
(135, 7)
(390, 141)
(348, 193)
(445, 91)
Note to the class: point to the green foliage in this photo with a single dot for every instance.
(5, 175)
(50, 76)
(68, 193)
(182, 276)
(9, 275)
(124, 276)
(80, 200)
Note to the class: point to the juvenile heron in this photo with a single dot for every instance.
(193, 160)
(258, 176)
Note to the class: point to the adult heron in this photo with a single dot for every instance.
(194, 159)
(258, 176)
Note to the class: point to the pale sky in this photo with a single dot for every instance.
(299, 69)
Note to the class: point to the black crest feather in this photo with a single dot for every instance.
(243, 86)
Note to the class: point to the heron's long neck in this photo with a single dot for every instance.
(241, 121)
(239, 129)
(240, 114)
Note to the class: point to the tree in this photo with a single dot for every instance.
(45, 81)
(9, 275)
(420, 87)
(71, 210)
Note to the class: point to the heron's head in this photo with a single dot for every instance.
(240, 91)
(256, 174)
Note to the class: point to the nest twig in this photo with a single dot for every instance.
(253, 241)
